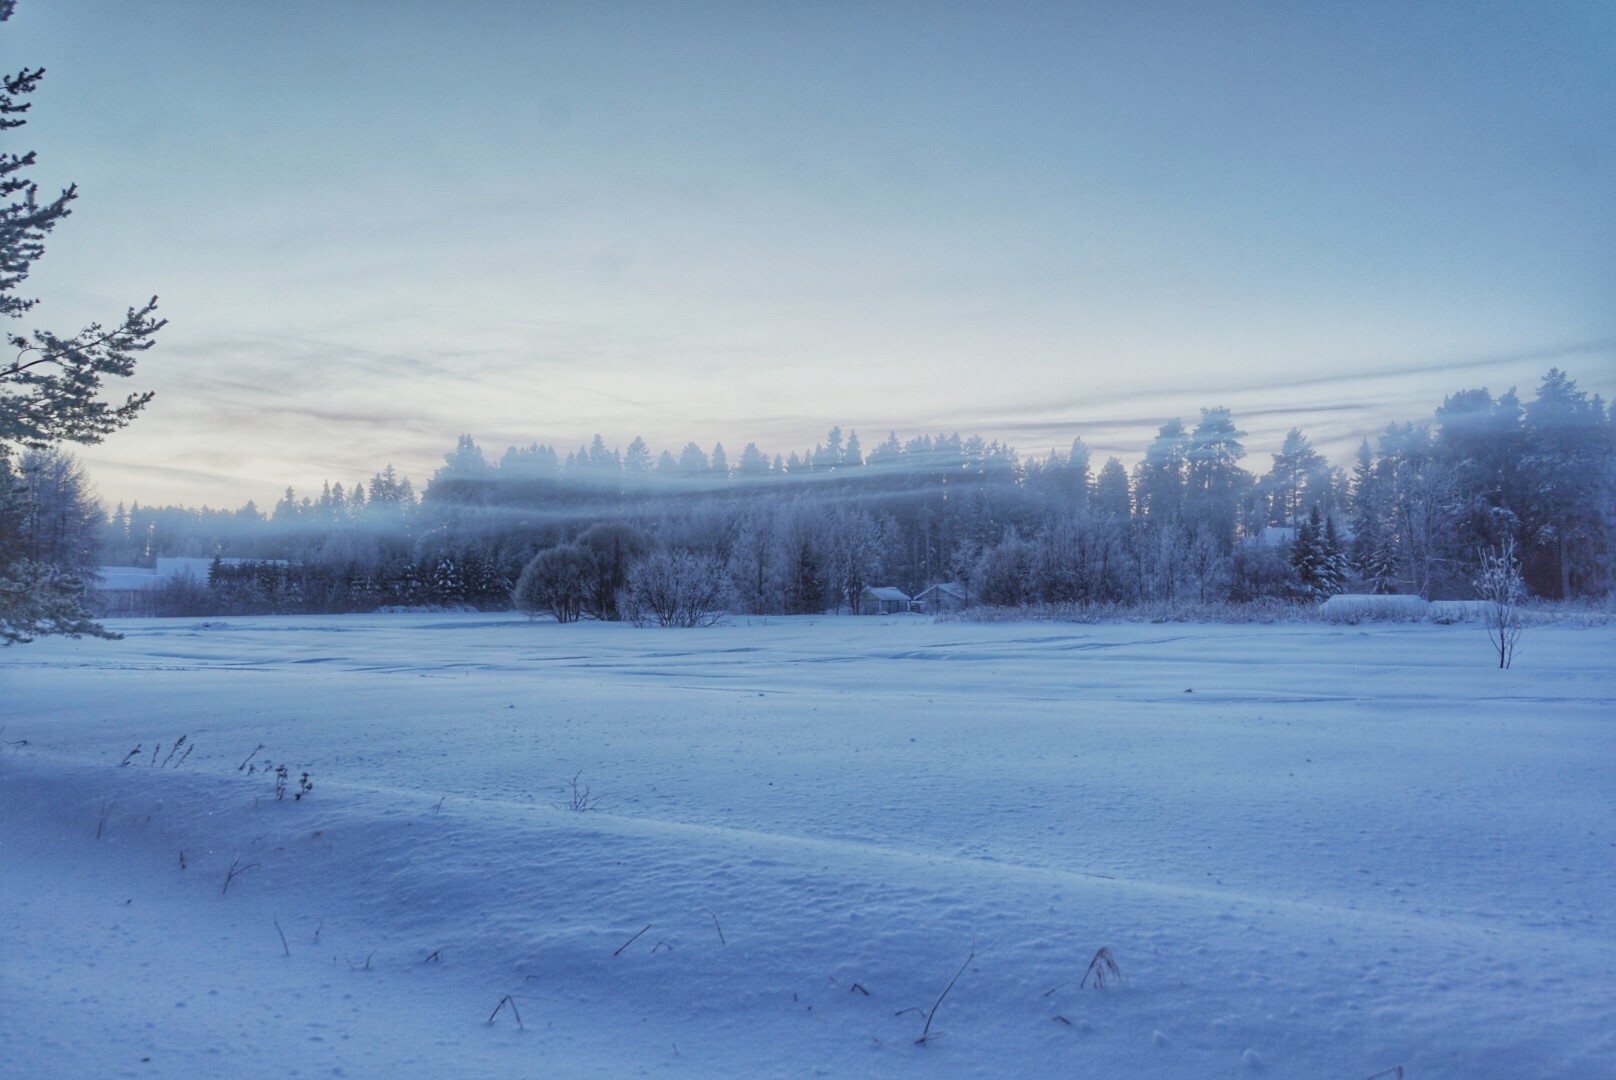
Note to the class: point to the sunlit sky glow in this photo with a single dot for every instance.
(377, 225)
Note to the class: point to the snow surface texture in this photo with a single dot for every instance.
(1312, 850)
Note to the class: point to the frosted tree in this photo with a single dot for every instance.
(693, 463)
(889, 452)
(751, 558)
(1370, 556)
(51, 392)
(637, 460)
(828, 457)
(799, 561)
(754, 463)
(1317, 556)
(1077, 462)
(1502, 592)
(1419, 496)
(1299, 477)
(465, 479)
(1482, 440)
(555, 581)
(851, 554)
(1005, 573)
(676, 588)
(610, 550)
(852, 454)
(59, 518)
(1159, 480)
(1112, 498)
(1569, 472)
(1214, 479)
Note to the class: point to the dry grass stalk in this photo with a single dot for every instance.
(1103, 968)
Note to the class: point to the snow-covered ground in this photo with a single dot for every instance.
(1313, 851)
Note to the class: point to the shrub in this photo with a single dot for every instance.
(1372, 607)
(676, 588)
(555, 581)
(610, 550)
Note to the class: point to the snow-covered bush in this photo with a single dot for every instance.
(1373, 607)
(1004, 575)
(676, 588)
(555, 581)
(1448, 612)
(1261, 574)
(1159, 611)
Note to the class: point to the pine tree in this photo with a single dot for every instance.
(51, 392)
(1294, 479)
(851, 454)
(1214, 479)
(693, 463)
(1370, 555)
(637, 459)
(1305, 555)
(1111, 496)
(1159, 480)
(1569, 461)
(1333, 563)
(754, 463)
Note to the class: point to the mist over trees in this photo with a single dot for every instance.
(606, 534)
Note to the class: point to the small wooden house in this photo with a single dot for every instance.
(944, 596)
(882, 600)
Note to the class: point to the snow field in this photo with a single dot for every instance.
(1313, 850)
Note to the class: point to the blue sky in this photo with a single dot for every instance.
(375, 226)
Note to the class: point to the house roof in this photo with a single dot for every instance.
(144, 579)
(949, 588)
(883, 592)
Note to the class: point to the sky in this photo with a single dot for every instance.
(375, 226)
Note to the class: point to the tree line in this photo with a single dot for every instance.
(807, 532)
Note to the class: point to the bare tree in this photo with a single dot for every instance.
(1502, 591)
(676, 588)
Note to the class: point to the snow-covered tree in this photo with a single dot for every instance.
(51, 392)
(693, 462)
(58, 521)
(1112, 497)
(1317, 556)
(754, 463)
(1214, 479)
(1159, 480)
(1298, 479)
(555, 581)
(1502, 591)
(610, 550)
(1568, 470)
(637, 459)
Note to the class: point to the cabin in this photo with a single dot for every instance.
(882, 600)
(135, 590)
(944, 596)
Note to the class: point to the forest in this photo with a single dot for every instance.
(608, 534)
